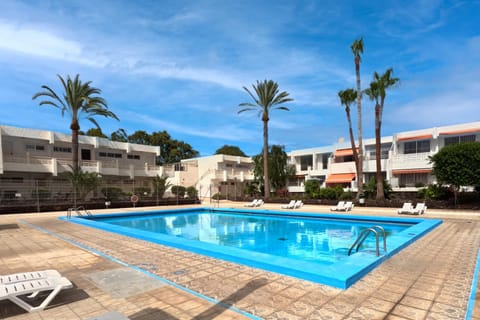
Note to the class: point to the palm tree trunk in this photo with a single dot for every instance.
(75, 128)
(360, 136)
(266, 181)
(352, 140)
(378, 158)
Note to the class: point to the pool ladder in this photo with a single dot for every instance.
(80, 211)
(365, 233)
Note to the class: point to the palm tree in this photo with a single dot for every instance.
(267, 98)
(377, 93)
(78, 99)
(347, 98)
(357, 50)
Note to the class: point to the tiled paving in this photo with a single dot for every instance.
(430, 279)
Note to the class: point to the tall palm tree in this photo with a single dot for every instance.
(377, 93)
(78, 100)
(357, 50)
(267, 98)
(347, 98)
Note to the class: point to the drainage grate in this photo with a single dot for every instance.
(179, 272)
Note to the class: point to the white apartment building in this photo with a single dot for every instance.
(219, 173)
(35, 159)
(404, 158)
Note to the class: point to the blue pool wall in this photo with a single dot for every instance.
(341, 275)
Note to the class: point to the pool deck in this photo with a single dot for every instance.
(430, 279)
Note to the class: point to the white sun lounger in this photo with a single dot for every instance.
(340, 206)
(259, 203)
(289, 205)
(32, 288)
(348, 206)
(420, 208)
(406, 208)
(298, 204)
(27, 276)
(252, 204)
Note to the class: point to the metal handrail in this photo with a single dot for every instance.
(78, 211)
(364, 234)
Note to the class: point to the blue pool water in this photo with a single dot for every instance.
(304, 245)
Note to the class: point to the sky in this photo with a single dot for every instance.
(181, 66)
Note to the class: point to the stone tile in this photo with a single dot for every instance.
(409, 312)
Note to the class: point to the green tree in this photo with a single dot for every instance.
(458, 165)
(357, 50)
(140, 137)
(279, 170)
(171, 150)
(312, 188)
(160, 185)
(377, 92)
(230, 151)
(267, 97)
(82, 183)
(347, 98)
(96, 132)
(79, 99)
(120, 135)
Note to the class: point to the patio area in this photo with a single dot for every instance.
(430, 279)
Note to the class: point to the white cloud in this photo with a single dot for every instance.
(32, 41)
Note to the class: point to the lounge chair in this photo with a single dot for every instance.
(298, 204)
(27, 276)
(251, 204)
(420, 208)
(289, 205)
(13, 291)
(340, 206)
(259, 203)
(406, 208)
(348, 206)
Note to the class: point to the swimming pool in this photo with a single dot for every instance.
(304, 245)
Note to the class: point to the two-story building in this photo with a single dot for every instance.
(33, 160)
(404, 158)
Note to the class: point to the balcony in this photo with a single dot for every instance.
(26, 163)
(342, 167)
(411, 160)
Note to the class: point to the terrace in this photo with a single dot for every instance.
(430, 279)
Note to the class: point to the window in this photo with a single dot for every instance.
(62, 149)
(416, 146)
(458, 139)
(372, 153)
(35, 147)
(109, 155)
(133, 156)
(305, 162)
(423, 146)
(325, 158)
(413, 179)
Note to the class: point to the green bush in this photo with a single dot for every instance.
(112, 193)
(346, 196)
(370, 188)
(312, 188)
(141, 191)
(178, 190)
(192, 192)
(434, 192)
(331, 193)
(218, 196)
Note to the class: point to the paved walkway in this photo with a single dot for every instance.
(430, 279)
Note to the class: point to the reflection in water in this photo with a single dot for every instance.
(323, 241)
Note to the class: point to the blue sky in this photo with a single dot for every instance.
(180, 65)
